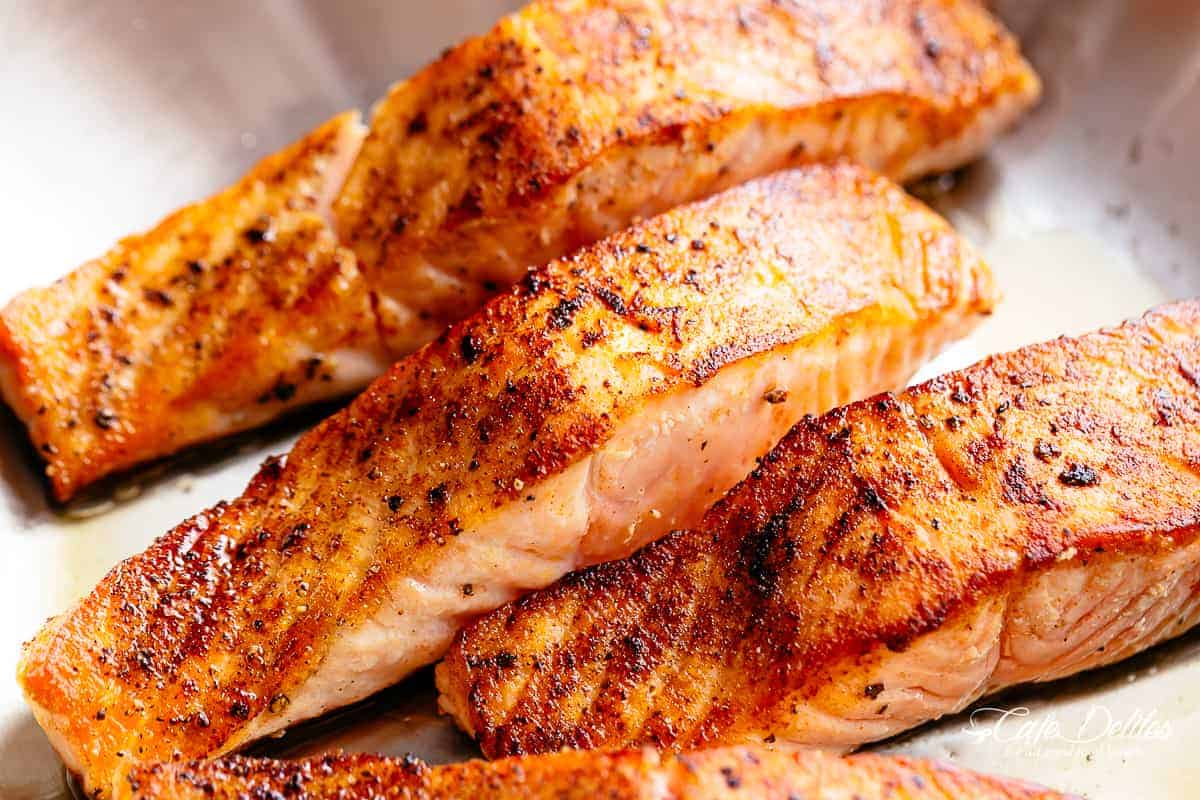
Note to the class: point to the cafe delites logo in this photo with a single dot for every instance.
(1017, 726)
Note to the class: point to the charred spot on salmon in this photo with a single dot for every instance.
(202, 719)
(468, 590)
(278, 703)
(840, 435)
(756, 550)
(871, 499)
(158, 297)
(732, 779)
(145, 661)
(240, 710)
(1045, 451)
(697, 244)
(471, 348)
(284, 391)
(295, 537)
(534, 283)
(438, 495)
(394, 502)
(1078, 475)
(954, 423)
(418, 124)
(311, 366)
(873, 690)
(503, 660)
(261, 232)
(776, 396)
(563, 314)
(1018, 488)
(272, 468)
(399, 224)
(612, 300)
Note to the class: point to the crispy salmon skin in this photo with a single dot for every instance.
(572, 117)
(604, 401)
(722, 774)
(566, 122)
(1022, 520)
(158, 344)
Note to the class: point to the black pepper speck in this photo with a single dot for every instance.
(1078, 475)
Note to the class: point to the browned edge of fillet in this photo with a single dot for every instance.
(750, 772)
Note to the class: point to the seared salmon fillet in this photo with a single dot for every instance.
(736, 772)
(566, 122)
(228, 313)
(890, 562)
(602, 402)
(573, 117)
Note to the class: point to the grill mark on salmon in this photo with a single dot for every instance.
(555, 428)
(888, 563)
(566, 122)
(629, 775)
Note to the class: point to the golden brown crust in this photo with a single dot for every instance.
(572, 117)
(566, 122)
(632, 775)
(157, 345)
(861, 532)
(222, 619)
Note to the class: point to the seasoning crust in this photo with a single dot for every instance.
(1027, 518)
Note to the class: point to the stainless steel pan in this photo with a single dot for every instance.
(117, 112)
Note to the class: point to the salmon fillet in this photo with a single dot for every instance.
(228, 313)
(890, 562)
(743, 772)
(573, 117)
(563, 124)
(599, 404)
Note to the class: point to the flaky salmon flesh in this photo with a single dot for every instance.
(565, 123)
(890, 562)
(734, 773)
(606, 400)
